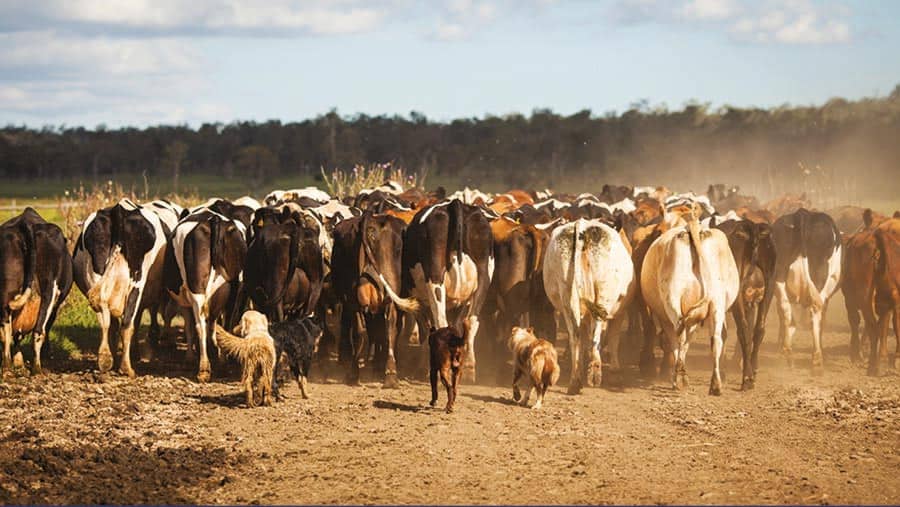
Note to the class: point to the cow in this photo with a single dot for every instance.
(284, 269)
(858, 283)
(209, 251)
(518, 254)
(588, 277)
(754, 254)
(887, 289)
(367, 259)
(448, 263)
(851, 219)
(807, 272)
(689, 277)
(118, 264)
(35, 278)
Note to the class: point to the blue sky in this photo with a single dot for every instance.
(145, 62)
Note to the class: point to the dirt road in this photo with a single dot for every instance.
(75, 437)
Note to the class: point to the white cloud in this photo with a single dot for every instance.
(709, 9)
(209, 17)
(797, 22)
(783, 22)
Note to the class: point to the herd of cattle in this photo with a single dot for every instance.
(388, 263)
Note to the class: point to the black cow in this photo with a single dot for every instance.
(118, 264)
(209, 251)
(807, 272)
(447, 267)
(754, 253)
(366, 256)
(284, 270)
(35, 278)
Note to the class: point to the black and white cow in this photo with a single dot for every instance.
(807, 272)
(118, 263)
(209, 250)
(448, 263)
(35, 278)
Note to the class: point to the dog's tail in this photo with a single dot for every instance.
(245, 351)
(544, 370)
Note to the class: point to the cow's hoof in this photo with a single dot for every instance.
(36, 370)
(748, 384)
(715, 389)
(895, 362)
(595, 379)
(203, 376)
(128, 372)
(817, 360)
(536, 406)
(432, 402)
(7, 373)
(681, 383)
(873, 370)
(449, 409)
(517, 395)
(468, 374)
(390, 381)
(104, 361)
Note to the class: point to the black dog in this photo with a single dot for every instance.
(299, 340)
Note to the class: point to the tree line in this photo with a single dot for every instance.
(842, 145)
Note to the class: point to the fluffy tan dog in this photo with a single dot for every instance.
(535, 359)
(255, 351)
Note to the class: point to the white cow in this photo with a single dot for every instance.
(588, 276)
(689, 277)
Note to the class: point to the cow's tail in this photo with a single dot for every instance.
(575, 296)
(695, 313)
(246, 351)
(815, 299)
(596, 310)
(408, 305)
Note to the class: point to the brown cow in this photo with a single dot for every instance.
(887, 288)
(851, 219)
(858, 284)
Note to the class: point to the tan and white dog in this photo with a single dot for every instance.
(536, 360)
(255, 351)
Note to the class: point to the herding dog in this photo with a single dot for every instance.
(535, 359)
(255, 351)
(299, 340)
(447, 350)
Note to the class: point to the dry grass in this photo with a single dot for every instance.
(349, 183)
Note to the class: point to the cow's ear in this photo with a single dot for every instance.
(897, 214)
(185, 212)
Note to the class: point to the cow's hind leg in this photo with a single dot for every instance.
(816, 315)
(7, 348)
(469, 363)
(390, 370)
(896, 360)
(786, 329)
(680, 349)
(104, 356)
(595, 367)
(574, 350)
(717, 346)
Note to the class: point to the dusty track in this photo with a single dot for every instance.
(73, 437)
